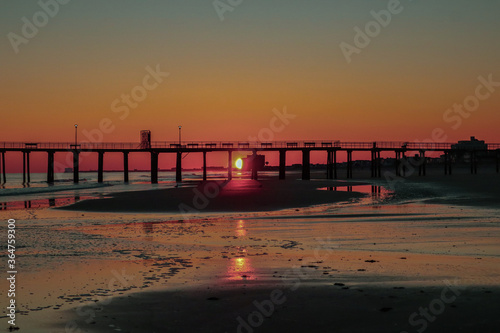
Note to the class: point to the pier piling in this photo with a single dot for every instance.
(24, 167)
(349, 164)
(76, 166)
(125, 166)
(255, 174)
(28, 173)
(229, 165)
(282, 167)
(335, 164)
(329, 164)
(204, 165)
(306, 165)
(50, 167)
(154, 167)
(178, 167)
(422, 164)
(3, 169)
(100, 167)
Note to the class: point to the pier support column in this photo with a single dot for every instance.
(373, 165)
(178, 167)
(329, 164)
(28, 173)
(349, 164)
(76, 166)
(306, 165)
(154, 167)
(282, 168)
(379, 165)
(1, 166)
(335, 164)
(3, 169)
(397, 164)
(50, 167)
(204, 165)
(473, 160)
(447, 163)
(229, 165)
(422, 164)
(125, 166)
(24, 167)
(255, 174)
(100, 167)
(404, 163)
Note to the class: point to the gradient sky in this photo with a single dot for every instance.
(227, 76)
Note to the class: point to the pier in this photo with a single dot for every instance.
(400, 151)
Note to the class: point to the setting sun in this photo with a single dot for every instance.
(239, 163)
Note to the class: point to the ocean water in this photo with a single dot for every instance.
(39, 194)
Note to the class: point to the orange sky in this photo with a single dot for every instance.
(226, 77)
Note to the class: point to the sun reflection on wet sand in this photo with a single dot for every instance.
(240, 229)
(240, 269)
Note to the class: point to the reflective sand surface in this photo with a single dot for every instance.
(71, 264)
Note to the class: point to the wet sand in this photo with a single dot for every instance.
(366, 266)
(222, 196)
(333, 276)
(311, 308)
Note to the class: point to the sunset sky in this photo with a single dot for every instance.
(226, 76)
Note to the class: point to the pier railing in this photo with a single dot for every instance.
(321, 144)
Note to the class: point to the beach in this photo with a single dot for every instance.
(317, 257)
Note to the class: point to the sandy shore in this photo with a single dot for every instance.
(359, 272)
(372, 265)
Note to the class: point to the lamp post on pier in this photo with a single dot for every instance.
(76, 135)
(180, 128)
